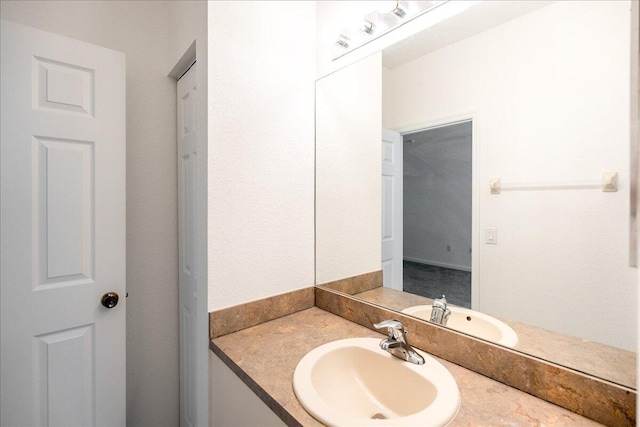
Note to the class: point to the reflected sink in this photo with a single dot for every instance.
(353, 382)
(473, 323)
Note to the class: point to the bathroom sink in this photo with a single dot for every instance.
(473, 323)
(353, 382)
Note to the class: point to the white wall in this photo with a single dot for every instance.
(349, 171)
(261, 149)
(187, 23)
(551, 94)
(261, 65)
(139, 29)
(437, 196)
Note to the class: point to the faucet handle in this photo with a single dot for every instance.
(396, 329)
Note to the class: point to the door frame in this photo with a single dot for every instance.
(474, 118)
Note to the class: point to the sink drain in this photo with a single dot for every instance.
(378, 417)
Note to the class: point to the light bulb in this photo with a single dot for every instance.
(344, 40)
(400, 10)
(370, 23)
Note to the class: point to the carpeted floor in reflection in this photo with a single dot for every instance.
(432, 282)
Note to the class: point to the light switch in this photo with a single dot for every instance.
(491, 236)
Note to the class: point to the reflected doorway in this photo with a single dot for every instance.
(437, 179)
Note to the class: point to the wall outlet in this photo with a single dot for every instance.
(448, 248)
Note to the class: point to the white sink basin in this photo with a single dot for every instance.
(473, 323)
(348, 382)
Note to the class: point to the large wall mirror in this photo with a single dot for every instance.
(408, 140)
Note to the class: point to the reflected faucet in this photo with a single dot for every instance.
(440, 313)
(396, 343)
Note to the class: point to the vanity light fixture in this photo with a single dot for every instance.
(400, 10)
(370, 23)
(367, 26)
(388, 15)
(344, 40)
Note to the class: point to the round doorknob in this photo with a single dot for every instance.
(110, 299)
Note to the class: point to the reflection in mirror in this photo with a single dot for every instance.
(545, 96)
(436, 249)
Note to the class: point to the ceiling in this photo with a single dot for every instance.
(480, 17)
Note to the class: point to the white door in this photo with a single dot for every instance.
(391, 209)
(62, 231)
(193, 326)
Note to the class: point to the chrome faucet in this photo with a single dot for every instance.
(439, 311)
(397, 343)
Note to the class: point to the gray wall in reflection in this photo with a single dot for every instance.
(437, 196)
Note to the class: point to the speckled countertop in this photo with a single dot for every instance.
(265, 357)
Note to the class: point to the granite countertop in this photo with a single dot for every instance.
(265, 357)
(612, 364)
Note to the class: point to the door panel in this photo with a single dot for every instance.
(62, 231)
(63, 178)
(63, 378)
(190, 400)
(63, 87)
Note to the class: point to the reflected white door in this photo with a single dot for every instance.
(391, 209)
(62, 231)
(193, 327)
